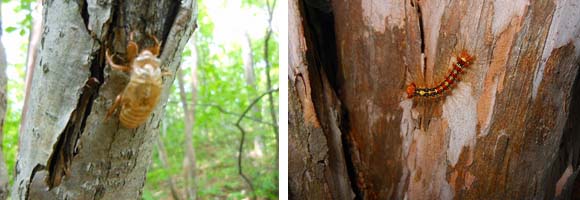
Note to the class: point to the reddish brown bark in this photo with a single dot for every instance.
(505, 130)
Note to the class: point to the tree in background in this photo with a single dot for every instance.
(189, 121)
(219, 93)
(4, 180)
(16, 27)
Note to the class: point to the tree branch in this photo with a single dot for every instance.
(224, 111)
(241, 149)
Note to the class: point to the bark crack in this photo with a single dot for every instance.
(60, 161)
(422, 31)
(85, 14)
(421, 27)
(322, 57)
(66, 147)
(36, 168)
(172, 20)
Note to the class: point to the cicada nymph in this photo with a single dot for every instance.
(141, 94)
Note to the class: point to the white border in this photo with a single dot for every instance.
(283, 45)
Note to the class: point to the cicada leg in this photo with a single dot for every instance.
(113, 107)
(115, 66)
(132, 48)
(156, 47)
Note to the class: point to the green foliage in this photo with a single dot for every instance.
(15, 85)
(24, 25)
(12, 119)
(221, 85)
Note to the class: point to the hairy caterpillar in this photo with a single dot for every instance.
(463, 61)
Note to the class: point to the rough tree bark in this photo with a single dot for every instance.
(316, 166)
(508, 130)
(65, 142)
(3, 108)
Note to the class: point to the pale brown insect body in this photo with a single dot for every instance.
(141, 94)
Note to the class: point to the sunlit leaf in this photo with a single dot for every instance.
(10, 29)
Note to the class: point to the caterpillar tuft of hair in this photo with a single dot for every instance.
(463, 61)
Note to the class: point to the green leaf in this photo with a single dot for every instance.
(10, 29)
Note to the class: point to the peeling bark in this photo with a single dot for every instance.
(65, 143)
(504, 132)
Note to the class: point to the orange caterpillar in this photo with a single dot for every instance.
(463, 61)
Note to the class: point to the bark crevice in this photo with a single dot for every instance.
(60, 161)
(85, 14)
(321, 57)
(36, 169)
(422, 39)
(569, 151)
(421, 27)
(172, 18)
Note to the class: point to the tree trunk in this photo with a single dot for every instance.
(249, 75)
(31, 56)
(3, 108)
(316, 167)
(163, 157)
(507, 130)
(271, 5)
(189, 166)
(65, 144)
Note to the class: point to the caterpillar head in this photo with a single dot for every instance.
(464, 59)
(411, 90)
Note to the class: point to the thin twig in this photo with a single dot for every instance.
(224, 111)
(241, 149)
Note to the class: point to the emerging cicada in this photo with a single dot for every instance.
(142, 92)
